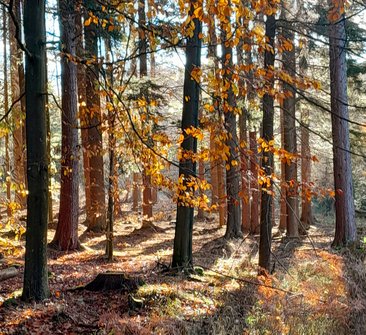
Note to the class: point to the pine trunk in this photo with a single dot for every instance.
(97, 221)
(35, 285)
(345, 231)
(83, 117)
(66, 236)
(290, 145)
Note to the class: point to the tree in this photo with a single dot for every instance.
(267, 159)
(289, 124)
(233, 224)
(15, 60)
(345, 231)
(97, 221)
(66, 236)
(182, 252)
(35, 284)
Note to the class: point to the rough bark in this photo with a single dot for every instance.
(66, 236)
(182, 252)
(283, 207)
(35, 285)
(290, 140)
(233, 223)
(267, 159)
(83, 119)
(97, 221)
(345, 230)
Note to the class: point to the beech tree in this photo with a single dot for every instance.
(182, 252)
(35, 284)
(345, 231)
(66, 236)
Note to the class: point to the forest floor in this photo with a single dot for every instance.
(313, 289)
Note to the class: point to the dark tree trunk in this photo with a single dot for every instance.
(290, 145)
(267, 159)
(233, 224)
(345, 232)
(182, 253)
(283, 206)
(83, 117)
(97, 221)
(35, 284)
(66, 236)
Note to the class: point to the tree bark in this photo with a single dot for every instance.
(345, 230)
(97, 221)
(254, 185)
(267, 159)
(17, 117)
(6, 107)
(290, 140)
(233, 224)
(83, 117)
(35, 285)
(182, 252)
(66, 236)
(283, 206)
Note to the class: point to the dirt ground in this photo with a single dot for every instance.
(312, 290)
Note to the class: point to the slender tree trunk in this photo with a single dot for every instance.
(66, 236)
(6, 108)
(283, 206)
(17, 117)
(135, 191)
(147, 210)
(243, 133)
(254, 186)
(112, 184)
(35, 285)
(267, 159)
(345, 231)
(233, 224)
(83, 112)
(182, 252)
(290, 145)
(97, 222)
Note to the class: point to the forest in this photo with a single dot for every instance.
(183, 167)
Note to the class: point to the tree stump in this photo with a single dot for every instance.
(109, 281)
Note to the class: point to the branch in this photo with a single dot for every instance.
(12, 106)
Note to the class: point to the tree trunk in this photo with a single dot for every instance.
(17, 117)
(267, 159)
(243, 133)
(6, 108)
(66, 236)
(289, 124)
(35, 285)
(345, 231)
(254, 186)
(135, 191)
(283, 206)
(233, 224)
(147, 210)
(182, 252)
(83, 117)
(97, 222)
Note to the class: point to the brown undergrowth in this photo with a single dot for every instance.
(313, 289)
